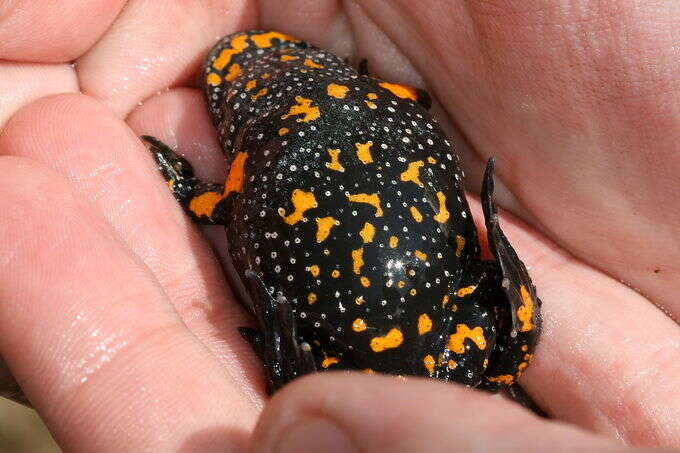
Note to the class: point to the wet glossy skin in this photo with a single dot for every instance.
(345, 197)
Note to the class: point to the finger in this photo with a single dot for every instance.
(122, 70)
(108, 165)
(380, 413)
(42, 32)
(23, 83)
(324, 23)
(88, 333)
(607, 359)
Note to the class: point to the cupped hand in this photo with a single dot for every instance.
(116, 319)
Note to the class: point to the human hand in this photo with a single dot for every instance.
(115, 317)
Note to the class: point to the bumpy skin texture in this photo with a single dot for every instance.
(348, 224)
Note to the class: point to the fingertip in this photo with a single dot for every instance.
(41, 32)
(362, 413)
(356, 412)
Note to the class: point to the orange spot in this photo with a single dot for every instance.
(401, 283)
(364, 152)
(304, 108)
(324, 226)
(312, 64)
(393, 339)
(357, 260)
(302, 201)
(314, 269)
(424, 324)
(371, 105)
(456, 340)
(359, 325)
(335, 273)
(213, 79)
(265, 75)
(525, 348)
(393, 241)
(311, 298)
(367, 371)
(204, 204)
(334, 164)
(359, 300)
(506, 379)
(337, 91)
(452, 364)
(421, 256)
(443, 214)
(460, 245)
(365, 282)
(234, 182)
(445, 300)
(417, 216)
(429, 363)
(525, 312)
(251, 84)
(285, 58)
(412, 173)
(372, 199)
(454, 307)
(233, 72)
(431, 160)
(238, 44)
(521, 368)
(265, 39)
(400, 91)
(367, 233)
(283, 131)
(372, 96)
(413, 292)
(466, 291)
(260, 93)
(328, 361)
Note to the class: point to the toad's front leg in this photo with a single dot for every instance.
(206, 203)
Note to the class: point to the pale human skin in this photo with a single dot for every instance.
(116, 319)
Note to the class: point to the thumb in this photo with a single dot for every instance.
(353, 412)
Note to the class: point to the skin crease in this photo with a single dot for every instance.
(116, 319)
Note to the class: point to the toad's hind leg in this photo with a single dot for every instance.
(519, 320)
(206, 203)
(276, 343)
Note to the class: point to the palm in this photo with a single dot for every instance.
(583, 125)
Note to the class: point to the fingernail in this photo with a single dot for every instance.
(315, 435)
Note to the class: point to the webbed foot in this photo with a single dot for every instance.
(519, 319)
(284, 357)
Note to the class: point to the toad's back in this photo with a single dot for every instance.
(350, 202)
